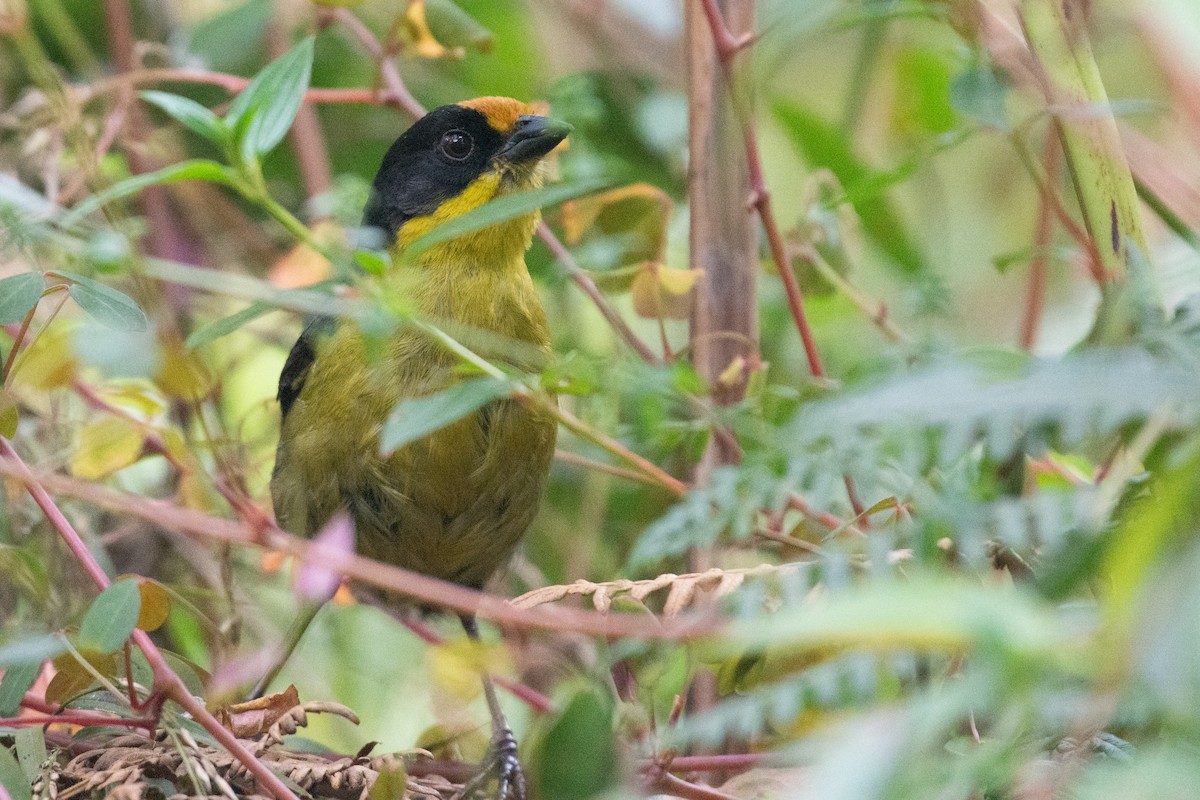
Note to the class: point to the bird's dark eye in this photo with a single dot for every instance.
(456, 145)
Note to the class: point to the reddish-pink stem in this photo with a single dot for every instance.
(78, 718)
(412, 584)
(716, 763)
(666, 783)
(166, 682)
(1035, 295)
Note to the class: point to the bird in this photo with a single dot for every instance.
(455, 503)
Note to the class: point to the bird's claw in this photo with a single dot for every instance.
(502, 762)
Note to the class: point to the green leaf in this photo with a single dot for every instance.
(12, 778)
(191, 114)
(31, 751)
(111, 618)
(926, 614)
(577, 759)
(412, 419)
(501, 210)
(824, 145)
(264, 110)
(979, 94)
(227, 325)
(198, 169)
(105, 304)
(18, 294)
(454, 27)
(16, 682)
(33, 650)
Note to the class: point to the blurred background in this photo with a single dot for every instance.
(897, 138)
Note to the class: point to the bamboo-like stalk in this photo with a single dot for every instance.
(723, 239)
(1070, 80)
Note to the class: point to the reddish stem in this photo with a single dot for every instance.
(761, 201)
(39, 704)
(726, 43)
(588, 287)
(666, 783)
(716, 763)
(412, 584)
(78, 718)
(1035, 295)
(16, 345)
(166, 682)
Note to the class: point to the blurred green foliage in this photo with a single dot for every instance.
(1008, 612)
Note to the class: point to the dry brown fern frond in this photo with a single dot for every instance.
(136, 766)
(682, 590)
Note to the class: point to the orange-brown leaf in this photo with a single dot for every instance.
(255, 717)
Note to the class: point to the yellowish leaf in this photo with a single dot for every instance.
(180, 374)
(732, 375)
(661, 291)
(390, 783)
(450, 742)
(106, 446)
(8, 414)
(638, 205)
(457, 665)
(137, 396)
(48, 362)
(156, 604)
(72, 678)
(420, 39)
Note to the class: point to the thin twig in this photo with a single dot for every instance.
(876, 310)
(78, 718)
(386, 576)
(582, 461)
(585, 283)
(166, 682)
(666, 783)
(760, 197)
(1035, 294)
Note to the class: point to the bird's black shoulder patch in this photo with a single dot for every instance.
(300, 359)
(418, 174)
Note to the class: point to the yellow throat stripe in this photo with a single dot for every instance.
(478, 192)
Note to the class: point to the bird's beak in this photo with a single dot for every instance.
(533, 137)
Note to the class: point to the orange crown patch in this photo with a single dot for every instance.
(501, 112)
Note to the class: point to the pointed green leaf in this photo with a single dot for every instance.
(111, 618)
(189, 113)
(33, 650)
(227, 325)
(264, 110)
(16, 681)
(412, 419)
(500, 210)
(454, 27)
(194, 170)
(18, 294)
(105, 304)
(12, 779)
(577, 758)
(31, 751)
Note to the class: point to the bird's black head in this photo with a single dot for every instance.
(468, 153)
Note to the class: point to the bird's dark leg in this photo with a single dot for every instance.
(294, 635)
(501, 760)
